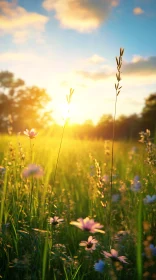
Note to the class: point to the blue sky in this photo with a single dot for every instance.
(59, 44)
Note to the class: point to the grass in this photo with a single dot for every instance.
(31, 248)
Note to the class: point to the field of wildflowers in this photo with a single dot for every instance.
(77, 209)
(63, 224)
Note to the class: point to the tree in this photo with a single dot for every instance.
(104, 127)
(127, 127)
(26, 105)
(149, 113)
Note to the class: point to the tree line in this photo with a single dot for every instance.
(126, 127)
(22, 107)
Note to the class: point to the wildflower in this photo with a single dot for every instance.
(99, 266)
(31, 133)
(55, 221)
(149, 199)
(105, 178)
(2, 170)
(90, 245)
(150, 251)
(153, 249)
(114, 256)
(88, 225)
(135, 184)
(144, 136)
(32, 170)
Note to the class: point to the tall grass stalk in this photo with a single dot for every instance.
(31, 151)
(117, 88)
(58, 155)
(32, 179)
(68, 97)
(31, 195)
(139, 240)
(72, 276)
(45, 257)
(3, 200)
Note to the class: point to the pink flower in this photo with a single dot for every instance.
(90, 245)
(114, 256)
(55, 221)
(105, 178)
(88, 225)
(32, 170)
(31, 133)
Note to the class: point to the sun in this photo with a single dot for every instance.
(68, 112)
(64, 109)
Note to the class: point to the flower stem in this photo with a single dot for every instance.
(57, 161)
(112, 154)
(117, 88)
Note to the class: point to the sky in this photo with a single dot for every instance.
(63, 44)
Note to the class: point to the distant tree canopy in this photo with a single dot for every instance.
(149, 113)
(23, 106)
(126, 127)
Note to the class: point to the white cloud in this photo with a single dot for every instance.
(96, 59)
(137, 11)
(80, 15)
(19, 57)
(140, 66)
(21, 36)
(19, 23)
(136, 70)
(137, 58)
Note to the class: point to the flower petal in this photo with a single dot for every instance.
(83, 243)
(107, 255)
(114, 253)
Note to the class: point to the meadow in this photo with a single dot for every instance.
(40, 237)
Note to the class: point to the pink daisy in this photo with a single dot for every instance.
(31, 133)
(89, 245)
(88, 225)
(114, 256)
(55, 220)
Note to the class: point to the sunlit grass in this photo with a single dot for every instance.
(31, 247)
